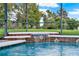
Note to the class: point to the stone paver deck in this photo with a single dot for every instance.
(8, 43)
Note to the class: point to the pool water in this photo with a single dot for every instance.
(42, 49)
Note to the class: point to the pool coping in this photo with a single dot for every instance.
(17, 37)
(64, 36)
(9, 43)
(33, 33)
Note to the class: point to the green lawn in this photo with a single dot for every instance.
(65, 32)
(1, 32)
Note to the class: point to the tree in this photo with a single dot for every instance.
(52, 19)
(34, 15)
(1, 15)
(72, 23)
(1, 11)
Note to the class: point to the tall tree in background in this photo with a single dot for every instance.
(1, 15)
(34, 15)
(1, 11)
(51, 19)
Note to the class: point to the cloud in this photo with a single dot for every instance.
(53, 5)
(42, 10)
(47, 6)
(74, 13)
(39, 1)
(54, 1)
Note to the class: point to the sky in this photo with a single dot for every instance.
(71, 8)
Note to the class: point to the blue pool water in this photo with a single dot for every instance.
(42, 49)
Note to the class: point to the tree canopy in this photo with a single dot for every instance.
(32, 13)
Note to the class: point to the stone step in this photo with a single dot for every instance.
(30, 33)
(19, 34)
(16, 37)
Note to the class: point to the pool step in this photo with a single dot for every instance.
(30, 36)
(30, 33)
(17, 37)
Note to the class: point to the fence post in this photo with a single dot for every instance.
(6, 17)
(26, 17)
(61, 19)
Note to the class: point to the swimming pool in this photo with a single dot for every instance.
(42, 49)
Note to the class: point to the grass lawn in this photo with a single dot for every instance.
(65, 32)
(1, 32)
